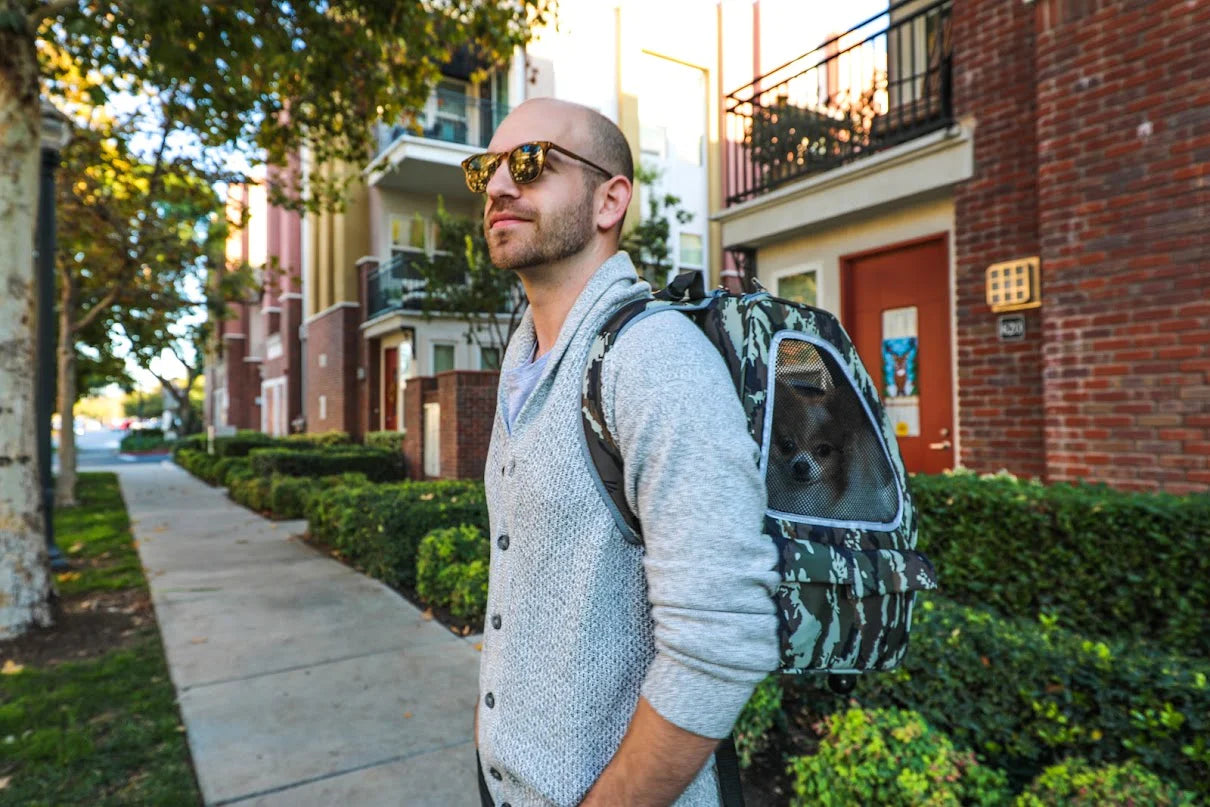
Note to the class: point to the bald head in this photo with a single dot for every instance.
(584, 131)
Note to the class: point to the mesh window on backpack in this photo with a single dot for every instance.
(824, 457)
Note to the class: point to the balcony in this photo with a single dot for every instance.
(880, 84)
(423, 154)
(395, 285)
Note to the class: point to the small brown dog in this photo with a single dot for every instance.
(808, 460)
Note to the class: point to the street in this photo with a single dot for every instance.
(100, 448)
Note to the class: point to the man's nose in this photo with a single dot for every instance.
(501, 183)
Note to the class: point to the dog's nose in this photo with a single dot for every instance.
(801, 469)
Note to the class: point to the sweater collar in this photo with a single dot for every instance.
(615, 282)
(616, 275)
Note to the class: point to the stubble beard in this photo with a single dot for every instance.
(549, 239)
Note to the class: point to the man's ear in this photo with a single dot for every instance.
(612, 200)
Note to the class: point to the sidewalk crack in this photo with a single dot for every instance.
(334, 774)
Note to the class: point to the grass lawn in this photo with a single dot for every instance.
(88, 714)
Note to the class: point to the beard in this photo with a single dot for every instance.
(547, 239)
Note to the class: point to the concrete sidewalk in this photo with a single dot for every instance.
(301, 682)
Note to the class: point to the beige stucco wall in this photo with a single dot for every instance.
(822, 248)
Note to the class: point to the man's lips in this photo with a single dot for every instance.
(504, 220)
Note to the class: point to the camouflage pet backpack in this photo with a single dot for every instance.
(839, 509)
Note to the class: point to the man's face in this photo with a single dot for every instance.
(542, 221)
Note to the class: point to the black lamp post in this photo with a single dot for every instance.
(56, 132)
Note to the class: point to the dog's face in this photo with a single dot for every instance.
(809, 440)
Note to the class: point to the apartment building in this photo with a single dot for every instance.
(1006, 202)
(254, 368)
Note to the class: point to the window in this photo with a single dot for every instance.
(798, 288)
(443, 358)
(691, 251)
(489, 358)
(451, 116)
(409, 233)
(652, 141)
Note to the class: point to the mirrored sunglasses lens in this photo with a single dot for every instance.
(478, 171)
(525, 162)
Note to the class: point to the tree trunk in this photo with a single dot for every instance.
(24, 573)
(65, 485)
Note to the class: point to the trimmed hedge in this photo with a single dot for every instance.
(1075, 783)
(379, 527)
(378, 466)
(1026, 696)
(451, 571)
(237, 445)
(385, 441)
(143, 440)
(1106, 563)
(891, 758)
(198, 463)
(315, 440)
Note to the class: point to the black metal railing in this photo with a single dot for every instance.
(397, 284)
(883, 82)
(454, 117)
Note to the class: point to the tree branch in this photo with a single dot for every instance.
(102, 304)
(49, 10)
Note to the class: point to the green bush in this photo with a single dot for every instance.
(198, 463)
(762, 715)
(378, 466)
(319, 439)
(385, 441)
(143, 440)
(236, 445)
(1075, 783)
(288, 495)
(451, 571)
(891, 758)
(251, 491)
(1106, 563)
(378, 527)
(226, 469)
(1026, 696)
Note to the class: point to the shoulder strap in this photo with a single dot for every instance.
(600, 448)
(686, 293)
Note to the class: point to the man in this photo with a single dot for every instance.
(609, 671)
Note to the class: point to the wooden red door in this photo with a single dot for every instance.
(896, 307)
(390, 389)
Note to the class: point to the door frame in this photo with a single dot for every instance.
(848, 312)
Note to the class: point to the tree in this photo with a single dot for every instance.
(24, 574)
(459, 279)
(648, 241)
(264, 78)
(134, 232)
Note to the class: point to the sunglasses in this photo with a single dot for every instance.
(525, 164)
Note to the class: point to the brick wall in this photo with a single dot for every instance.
(468, 408)
(999, 384)
(418, 392)
(1123, 132)
(291, 319)
(331, 357)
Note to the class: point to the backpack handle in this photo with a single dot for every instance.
(684, 287)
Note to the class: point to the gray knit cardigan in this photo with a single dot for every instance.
(580, 622)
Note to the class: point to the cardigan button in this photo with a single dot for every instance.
(496, 621)
(496, 775)
(502, 542)
(490, 700)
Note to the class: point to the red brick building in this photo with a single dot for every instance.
(942, 138)
(254, 373)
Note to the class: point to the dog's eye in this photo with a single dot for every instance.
(823, 450)
(787, 445)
